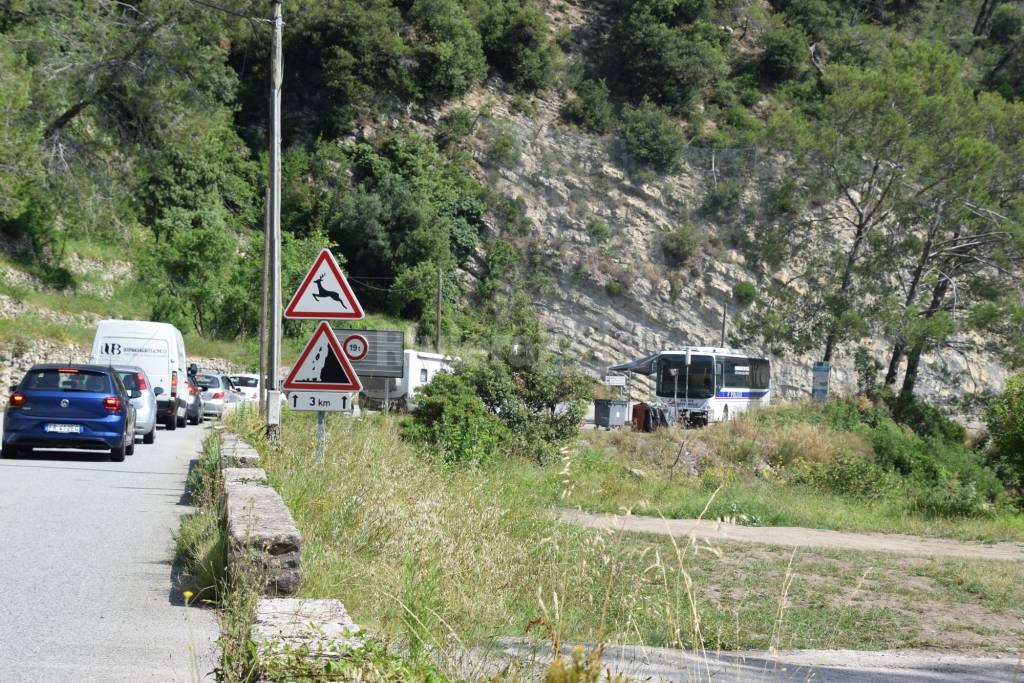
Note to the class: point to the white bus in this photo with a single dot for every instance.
(702, 384)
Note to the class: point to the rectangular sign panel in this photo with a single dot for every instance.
(615, 380)
(819, 381)
(320, 400)
(385, 352)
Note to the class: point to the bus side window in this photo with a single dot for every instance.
(719, 383)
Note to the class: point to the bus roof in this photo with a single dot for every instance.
(649, 364)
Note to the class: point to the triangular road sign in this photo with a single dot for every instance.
(324, 293)
(322, 366)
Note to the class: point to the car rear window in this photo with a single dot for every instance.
(208, 381)
(67, 380)
(247, 382)
(129, 379)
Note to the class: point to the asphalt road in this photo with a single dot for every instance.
(87, 587)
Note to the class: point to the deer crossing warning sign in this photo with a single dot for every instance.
(323, 366)
(324, 293)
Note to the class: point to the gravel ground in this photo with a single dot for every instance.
(799, 537)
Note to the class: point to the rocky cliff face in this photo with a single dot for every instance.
(572, 184)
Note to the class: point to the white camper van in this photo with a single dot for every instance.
(420, 369)
(157, 348)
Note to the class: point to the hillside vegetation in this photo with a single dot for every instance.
(894, 128)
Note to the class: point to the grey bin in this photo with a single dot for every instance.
(609, 413)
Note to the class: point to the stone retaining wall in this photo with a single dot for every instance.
(264, 541)
(262, 537)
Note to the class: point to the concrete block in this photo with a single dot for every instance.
(324, 627)
(263, 541)
(243, 475)
(236, 452)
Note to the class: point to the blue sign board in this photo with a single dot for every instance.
(819, 381)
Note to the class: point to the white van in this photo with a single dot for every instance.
(157, 348)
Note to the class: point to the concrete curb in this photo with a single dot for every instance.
(261, 535)
(319, 629)
(264, 541)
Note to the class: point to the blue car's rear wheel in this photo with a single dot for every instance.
(117, 454)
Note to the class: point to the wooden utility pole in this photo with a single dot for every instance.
(437, 331)
(274, 346)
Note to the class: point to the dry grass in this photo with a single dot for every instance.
(452, 558)
(738, 444)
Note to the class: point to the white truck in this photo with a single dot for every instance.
(157, 348)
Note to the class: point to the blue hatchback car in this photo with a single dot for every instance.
(70, 406)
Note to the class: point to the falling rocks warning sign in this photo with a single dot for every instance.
(322, 366)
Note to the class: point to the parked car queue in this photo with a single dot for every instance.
(137, 378)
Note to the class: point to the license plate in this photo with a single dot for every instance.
(63, 429)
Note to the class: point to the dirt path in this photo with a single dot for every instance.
(797, 536)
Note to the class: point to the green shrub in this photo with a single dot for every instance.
(661, 49)
(598, 230)
(815, 17)
(866, 368)
(614, 288)
(723, 199)
(453, 420)
(590, 107)
(450, 53)
(1005, 421)
(652, 136)
(849, 475)
(681, 244)
(745, 293)
(503, 150)
(517, 41)
(927, 470)
(784, 199)
(896, 449)
(950, 497)
(454, 127)
(1007, 23)
(784, 53)
(512, 403)
(926, 420)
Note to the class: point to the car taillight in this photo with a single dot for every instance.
(219, 394)
(142, 381)
(18, 399)
(192, 389)
(112, 403)
(174, 384)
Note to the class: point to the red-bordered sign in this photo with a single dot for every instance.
(322, 366)
(324, 293)
(355, 346)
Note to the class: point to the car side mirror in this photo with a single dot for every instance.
(193, 369)
(157, 391)
(134, 393)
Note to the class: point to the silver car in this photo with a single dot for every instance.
(134, 377)
(218, 393)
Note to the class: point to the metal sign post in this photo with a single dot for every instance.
(321, 435)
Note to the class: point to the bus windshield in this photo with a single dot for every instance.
(701, 377)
